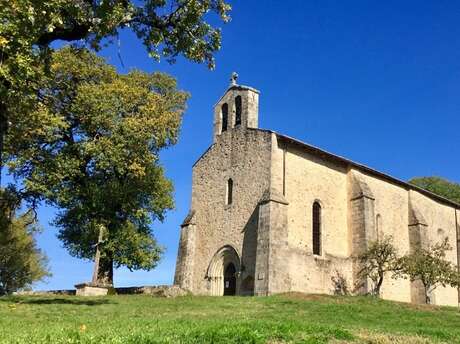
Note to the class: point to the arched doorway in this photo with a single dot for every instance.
(230, 280)
(223, 272)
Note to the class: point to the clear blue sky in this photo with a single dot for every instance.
(375, 81)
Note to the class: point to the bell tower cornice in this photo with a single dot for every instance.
(238, 108)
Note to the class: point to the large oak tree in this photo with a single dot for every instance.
(92, 150)
(28, 29)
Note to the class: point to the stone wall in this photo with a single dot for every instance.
(391, 205)
(186, 253)
(249, 111)
(244, 156)
(357, 207)
(309, 178)
(440, 223)
(266, 231)
(273, 250)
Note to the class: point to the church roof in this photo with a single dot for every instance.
(363, 168)
(237, 87)
(349, 163)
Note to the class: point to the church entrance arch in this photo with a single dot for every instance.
(223, 272)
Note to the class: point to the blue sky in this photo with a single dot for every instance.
(375, 81)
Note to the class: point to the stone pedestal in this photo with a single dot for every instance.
(86, 289)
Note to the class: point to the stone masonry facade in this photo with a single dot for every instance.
(249, 229)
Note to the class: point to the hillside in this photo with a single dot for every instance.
(278, 319)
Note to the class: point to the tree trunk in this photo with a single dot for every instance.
(379, 286)
(103, 264)
(427, 296)
(105, 271)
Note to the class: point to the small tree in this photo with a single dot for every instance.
(379, 258)
(429, 266)
(21, 262)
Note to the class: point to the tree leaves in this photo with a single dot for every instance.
(379, 258)
(21, 262)
(95, 155)
(28, 28)
(439, 186)
(429, 266)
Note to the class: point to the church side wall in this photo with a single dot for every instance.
(244, 156)
(306, 178)
(391, 207)
(440, 220)
(309, 179)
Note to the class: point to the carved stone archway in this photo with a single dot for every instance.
(223, 258)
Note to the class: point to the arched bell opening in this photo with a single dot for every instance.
(223, 272)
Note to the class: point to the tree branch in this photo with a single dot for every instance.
(76, 32)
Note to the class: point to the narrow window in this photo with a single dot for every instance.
(224, 117)
(238, 105)
(317, 228)
(378, 225)
(230, 191)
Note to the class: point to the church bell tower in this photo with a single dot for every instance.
(238, 108)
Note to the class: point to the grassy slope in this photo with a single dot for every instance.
(279, 319)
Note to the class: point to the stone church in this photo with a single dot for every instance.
(271, 214)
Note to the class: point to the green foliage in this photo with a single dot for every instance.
(91, 148)
(21, 262)
(439, 186)
(276, 319)
(379, 258)
(166, 28)
(28, 28)
(429, 265)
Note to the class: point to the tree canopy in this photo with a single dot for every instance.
(92, 148)
(429, 265)
(439, 186)
(167, 29)
(379, 258)
(86, 139)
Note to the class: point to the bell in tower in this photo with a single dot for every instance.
(238, 108)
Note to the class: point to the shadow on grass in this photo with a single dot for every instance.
(59, 301)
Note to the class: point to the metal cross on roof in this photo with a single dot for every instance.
(234, 78)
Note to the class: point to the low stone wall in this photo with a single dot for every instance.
(157, 291)
(47, 292)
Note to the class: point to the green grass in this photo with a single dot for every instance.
(277, 319)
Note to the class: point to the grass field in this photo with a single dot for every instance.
(278, 319)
